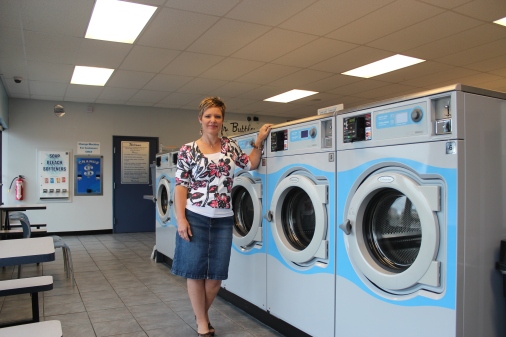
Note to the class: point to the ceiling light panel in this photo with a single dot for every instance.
(501, 22)
(291, 95)
(91, 75)
(118, 21)
(384, 66)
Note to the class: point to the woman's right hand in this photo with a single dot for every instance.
(184, 230)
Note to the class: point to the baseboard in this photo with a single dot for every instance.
(94, 232)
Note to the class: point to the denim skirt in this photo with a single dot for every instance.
(207, 255)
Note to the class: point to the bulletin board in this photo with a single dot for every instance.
(88, 175)
(54, 167)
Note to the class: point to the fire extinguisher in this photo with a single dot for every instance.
(19, 186)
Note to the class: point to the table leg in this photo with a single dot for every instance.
(35, 307)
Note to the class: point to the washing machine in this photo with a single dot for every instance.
(301, 193)
(420, 212)
(247, 270)
(166, 224)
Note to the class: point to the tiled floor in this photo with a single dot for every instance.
(120, 291)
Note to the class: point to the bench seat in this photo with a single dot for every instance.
(40, 329)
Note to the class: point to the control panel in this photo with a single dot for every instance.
(357, 128)
(312, 135)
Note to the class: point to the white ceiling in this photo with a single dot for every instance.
(247, 50)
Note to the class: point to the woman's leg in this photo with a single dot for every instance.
(202, 294)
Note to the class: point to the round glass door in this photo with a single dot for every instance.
(162, 200)
(247, 206)
(243, 211)
(298, 218)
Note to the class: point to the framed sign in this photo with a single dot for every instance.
(88, 175)
(54, 174)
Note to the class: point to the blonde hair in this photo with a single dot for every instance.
(211, 102)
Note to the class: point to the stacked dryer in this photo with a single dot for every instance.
(301, 197)
(247, 271)
(166, 224)
(421, 211)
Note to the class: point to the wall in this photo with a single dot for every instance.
(33, 125)
(4, 107)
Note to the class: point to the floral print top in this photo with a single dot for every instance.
(209, 182)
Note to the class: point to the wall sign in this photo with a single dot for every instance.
(134, 162)
(89, 148)
(53, 174)
(88, 175)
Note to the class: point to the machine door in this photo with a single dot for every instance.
(393, 231)
(247, 204)
(163, 202)
(299, 219)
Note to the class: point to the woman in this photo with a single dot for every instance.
(204, 178)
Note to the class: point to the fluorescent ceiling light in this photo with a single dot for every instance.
(383, 66)
(501, 22)
(291, 95)
(91, 75)
(118, 21)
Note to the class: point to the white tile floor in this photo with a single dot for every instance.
(121, 292)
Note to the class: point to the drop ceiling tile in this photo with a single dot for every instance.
(300, 78)
(275, 43)
(267, 12)
(148, 59)
(129, 79)
(227, 36)
(459, 42)
(179, 98)
(148, 2)
(262, 92)
(138, 103)
(13, 67)
(110, 101)
(447, 75)
(201, 86)
(15, 51)
(47, 98)
(447, 3)
(116, 94)
(320, 100)
(43, 88)
(9, 14)
(498, 62)
(79, 99)
(314, 52)
(175, 29)
(351, 59)
(148, 96)
(167, 82)
(233, 89)
(354, 89)
(478, 79)
(387, 91)
(379, 23)
(211, 7)
(436, 27)
(88, 92)
(191, 64)
(413, 72)
(267, 73)
(17, 89)
(168, 106)
(231, 68)
(499, 72)
(10, 36)
(238, 103)
(330, 15)
(476, 54)
(96, 53)
(51, 72)
(499, 85)
(51, 48)
(65, 17)
(330, 83)
(487, 10)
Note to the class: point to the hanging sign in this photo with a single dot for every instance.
(88, 175)
(134, 162)
(53, 174)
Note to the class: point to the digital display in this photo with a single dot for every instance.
(401, 118)
(304, 133)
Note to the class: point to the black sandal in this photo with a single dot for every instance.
(211, 328)
(207, 334)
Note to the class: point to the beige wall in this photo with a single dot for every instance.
(33, 125)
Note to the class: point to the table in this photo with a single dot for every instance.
(25, 251)
(18, 208)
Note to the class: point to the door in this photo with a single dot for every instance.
(132, 180)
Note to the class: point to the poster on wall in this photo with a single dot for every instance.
(134, 162)
(54, 167)
(88, 175)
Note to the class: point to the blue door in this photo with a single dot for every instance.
(132, 181)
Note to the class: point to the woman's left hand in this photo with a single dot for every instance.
(264, 132)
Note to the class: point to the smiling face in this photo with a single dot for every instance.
(211, 121)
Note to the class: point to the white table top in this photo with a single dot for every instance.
(40, 329)
(25, 251)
